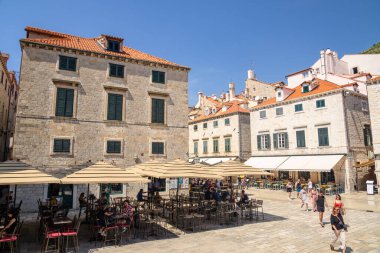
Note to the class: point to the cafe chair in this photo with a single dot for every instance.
(111, 235)
(73, 234)
(11, 239)
(52, 241)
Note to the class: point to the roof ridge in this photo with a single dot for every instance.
(49, 32)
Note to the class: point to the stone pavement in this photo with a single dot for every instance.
(286, 228)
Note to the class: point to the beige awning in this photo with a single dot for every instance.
(103, 173)
(312, 163)
(17, 173)
(236, 168)
(368, 163)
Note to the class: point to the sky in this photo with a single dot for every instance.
(219, 40)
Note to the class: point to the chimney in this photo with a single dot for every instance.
(323, 64)
(200, 100)
(5, 57)
(251, 74)
(227, 97)
(232, 90)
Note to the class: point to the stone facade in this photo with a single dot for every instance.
(342, 115)
(89, 129)
(374, 108)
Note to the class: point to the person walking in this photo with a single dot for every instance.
(309, 185)
(305, 198)
(321, 203)
(298, 188)
(289, 187)
(313, 198)
(339, 230)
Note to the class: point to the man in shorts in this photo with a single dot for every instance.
(321, 204)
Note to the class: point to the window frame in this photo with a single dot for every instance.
(263, 142)
(195, 127)
(163, 148)
(215, 123)
(215, 148)
(53, 152)
(295, 107)
(107, 151)
(205, 124)
(205, 147)
(113, 48)
(157, 120)
(118, 73)
(117, 95)
(305, 88)
(322, 143)
(282, 111)
(263, 114)
(298, 141)
(227, 146)
(65, 113)
(195, 147)
(229, 122)
(67, 58)
(64, 85)
(367, 135)
(159, 77)
(318, 105)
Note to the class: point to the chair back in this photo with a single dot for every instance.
(259, 202)
(77, 226)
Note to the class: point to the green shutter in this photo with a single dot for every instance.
(60, 102)
(161, 111)
(275, 145)
(268, 141)
(286, 140)
(69, 103)
(119, 107)
(112, 70)
(111, 114)
(65, 145)
(259, 142)
(57, 146)
(72, 64)
(63, 62)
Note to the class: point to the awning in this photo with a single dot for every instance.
(16, 173)
(237, 168)
(215, 160)
(316, 163)
(266, 163)
(368, 163)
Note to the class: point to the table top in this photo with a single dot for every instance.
(61, 221)
(1, 227)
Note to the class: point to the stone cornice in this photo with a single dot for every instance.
(194, 121)
(100, 55)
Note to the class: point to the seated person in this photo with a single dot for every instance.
(157, 198)
(215, 195)
(243, 198)
(225, 195)
(11, 224)
(127, 211)
(140, 195)
(208, 194)
(82, 202)
(104, 218)
(103, 199)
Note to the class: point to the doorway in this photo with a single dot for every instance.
(63, 193)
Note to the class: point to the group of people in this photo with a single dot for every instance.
(308, 194)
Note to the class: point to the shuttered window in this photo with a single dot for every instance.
(205, 147)
(215, 145)
(158, 148)
(320, 103)
(115, 107)
(367, 134)
(116, 70)
(67, 63)
(114, 147)
(300, 135)
(195, 147)
(61, 146)
(158, 76)
(227, 121)
(227, 145)
(263, 141)
(64, 102)
(280, 140)
(323, 136)
(298, 108)
(113, 45)
(158, 110)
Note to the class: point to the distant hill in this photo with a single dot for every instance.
(375, 49)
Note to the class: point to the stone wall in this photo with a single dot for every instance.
(257, 88)
(245, 136)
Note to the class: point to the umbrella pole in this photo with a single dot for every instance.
(14, 200)
(88, 192)
(177, 197)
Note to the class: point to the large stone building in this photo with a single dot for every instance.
(317, 130)
(374, 109)
(8, 104)
(90, 99)
(350, 71)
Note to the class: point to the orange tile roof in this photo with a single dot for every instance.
(323, 86)
(300, 71)
(91, 45)
(375, 79)
(234, 107)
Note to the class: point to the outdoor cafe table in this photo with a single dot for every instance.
(61, 221)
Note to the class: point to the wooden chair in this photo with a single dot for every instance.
(72, 233)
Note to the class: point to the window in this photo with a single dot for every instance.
(195, 147)
(115, 107)
(320, 103)
(279, 111)
(305, 74)
(279, 94)
(112, 188)
(304, 174)
(298, 108)
(305, 88)
(61, 146)
(158, 110)
(157, 148)
(263, 114)
(364, 106)
(323, 136)
(215, 123)
(367, 135)
(263, 141)
(204, 125)
(64, 102)
(114, 147)
(205, 147)
(67, 63)
(280, 140)
(114, 45)
(195, 127)
(227, 121)
(327, 177)
(317, 70)
(215, 145)
(227, 145)
(300, 135)
(355, 70)
(158, 76)
(116, 70)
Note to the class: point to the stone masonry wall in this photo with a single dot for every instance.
(245, 136)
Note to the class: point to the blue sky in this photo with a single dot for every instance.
(219, 40)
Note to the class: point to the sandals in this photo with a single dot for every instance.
(322, 224)
(332, 247)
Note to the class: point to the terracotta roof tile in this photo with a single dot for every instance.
(323, 86)
(234, 107)
(91, 45)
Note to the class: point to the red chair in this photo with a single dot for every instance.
(124, 228)
(51, 235)
(72, 233)
(12, 239)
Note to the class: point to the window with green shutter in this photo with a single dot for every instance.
(113, 45)
(205, 147)
(227, 121)
(158, 76)
(263, 141)
(320, 103)
(204, 125)
(116, 70)
(158, 148)
(367, 134)
(300, 135)
(323, 136)
(215, 123)
(67, 63)
(279, 111)
(263, 114)
(115, 107)
(158, 110)
(114, 147)
(227, 145)
(195, 147)
(64, 102)
(215, 145)
(61, 146)
(298, 108)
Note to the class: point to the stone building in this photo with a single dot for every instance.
(89, 99)
(373, 87)
(317, 130)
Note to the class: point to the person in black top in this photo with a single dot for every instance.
(321, 204)
(11, 224)
(140, 195)
(208, 194)
(215, 195)
(243, 198)
(339, 230)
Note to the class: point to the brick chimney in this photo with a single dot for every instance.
(5, 57)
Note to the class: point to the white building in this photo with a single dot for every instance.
(349, 71)
(317, 130)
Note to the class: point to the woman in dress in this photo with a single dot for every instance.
(305, 198)
(339, 204)
(321, 203)
(313, 198)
